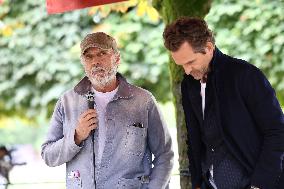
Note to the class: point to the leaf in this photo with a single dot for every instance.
(141, 8)
(153, 14)
(7, 31)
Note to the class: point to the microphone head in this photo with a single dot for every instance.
(91, 99)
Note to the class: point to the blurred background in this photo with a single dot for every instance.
(39, 60)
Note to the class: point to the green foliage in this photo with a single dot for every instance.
(37, 60)
(20, 131)
(144, 58)
(40, 54)
(253, 31)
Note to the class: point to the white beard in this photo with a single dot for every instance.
(102, 77)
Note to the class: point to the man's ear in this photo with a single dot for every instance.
(81, 60)
(209, 48)
(117, 58)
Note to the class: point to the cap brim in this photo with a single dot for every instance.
(93, 46)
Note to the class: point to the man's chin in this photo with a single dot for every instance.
(197, 77)
(98, 84)
(99, 81)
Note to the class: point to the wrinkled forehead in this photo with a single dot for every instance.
(94, 50)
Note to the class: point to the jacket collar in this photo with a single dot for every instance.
(194, 86)
(217, 61)
(124, 88)
(214, 63)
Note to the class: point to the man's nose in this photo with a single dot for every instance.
(96, 63)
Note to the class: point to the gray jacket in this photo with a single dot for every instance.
(135, 132)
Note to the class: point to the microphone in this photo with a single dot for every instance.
(91, 103)
(91, 99)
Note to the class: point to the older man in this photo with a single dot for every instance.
(110, 143)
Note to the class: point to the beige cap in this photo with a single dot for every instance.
(100, 40)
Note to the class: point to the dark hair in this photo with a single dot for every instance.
(188, 29)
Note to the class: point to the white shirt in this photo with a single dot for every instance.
(102, 99)
(202, 93)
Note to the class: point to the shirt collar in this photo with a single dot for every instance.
(124, 88)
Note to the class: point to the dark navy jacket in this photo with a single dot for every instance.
(252, 122)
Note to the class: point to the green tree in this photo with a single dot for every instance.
(40, 54)
(144, 58)
(38, 61)
(32, 41)
(253, 31)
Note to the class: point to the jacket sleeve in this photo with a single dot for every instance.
(160, 144)
(58, 148)
(265, 109)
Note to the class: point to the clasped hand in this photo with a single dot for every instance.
(87, 122)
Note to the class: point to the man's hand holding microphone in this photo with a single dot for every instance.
(88, 121)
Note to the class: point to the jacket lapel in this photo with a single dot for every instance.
(195, 99)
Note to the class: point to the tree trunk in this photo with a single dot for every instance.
(169, 11)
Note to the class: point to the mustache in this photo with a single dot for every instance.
(98, 69)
